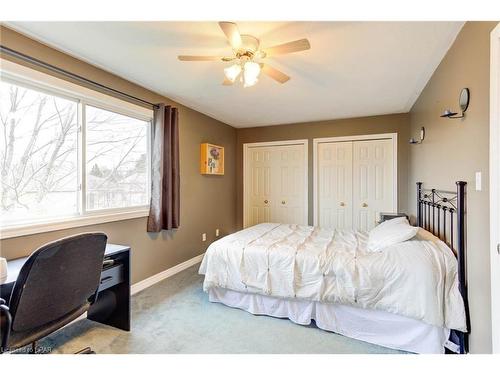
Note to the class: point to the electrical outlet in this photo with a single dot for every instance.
(217, 233)
(203, 237)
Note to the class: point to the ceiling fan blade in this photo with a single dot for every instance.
(200, 58)
(275, 74)
(295, 46)
(227, 82)
(232, 33)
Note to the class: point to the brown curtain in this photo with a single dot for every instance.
(164, 207)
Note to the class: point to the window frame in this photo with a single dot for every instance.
(31, 79)
(83, 179)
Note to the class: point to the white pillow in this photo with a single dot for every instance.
(389, 233)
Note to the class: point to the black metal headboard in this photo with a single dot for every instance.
(443, 214)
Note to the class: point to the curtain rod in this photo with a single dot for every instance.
(53, 68)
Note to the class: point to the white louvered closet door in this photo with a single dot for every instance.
(275, 185)
(373, 181)
(335, 185)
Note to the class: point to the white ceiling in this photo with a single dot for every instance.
(353, 69)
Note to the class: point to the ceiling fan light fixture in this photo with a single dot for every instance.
(251, 71)
(232, 72)
(245, 49)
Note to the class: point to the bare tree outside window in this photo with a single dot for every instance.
(38, 154)
(39, 157)
(117, 173)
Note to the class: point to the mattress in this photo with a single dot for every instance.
(416, 279)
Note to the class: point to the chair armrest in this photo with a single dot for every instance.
(6, 325)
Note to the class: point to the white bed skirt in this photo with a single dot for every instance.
(373, 326)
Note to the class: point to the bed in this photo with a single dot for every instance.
(412, 296)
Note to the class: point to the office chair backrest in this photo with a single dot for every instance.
(57, 278)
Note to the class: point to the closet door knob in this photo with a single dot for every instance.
(342, 204)
(283, 202)
(364, 205)
(266, 201)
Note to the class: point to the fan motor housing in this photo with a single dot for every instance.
(249, 45)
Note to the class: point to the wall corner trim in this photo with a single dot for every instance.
(150, 281)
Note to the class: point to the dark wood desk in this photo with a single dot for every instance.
(113, 302)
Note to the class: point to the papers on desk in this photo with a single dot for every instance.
(3, 268)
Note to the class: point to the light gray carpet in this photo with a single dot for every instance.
(174, 316)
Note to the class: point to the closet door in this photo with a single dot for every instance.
(288, 181)
(334, 185)
(373, 181)
(275, 184)
(258, 187)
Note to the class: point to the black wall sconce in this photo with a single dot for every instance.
(413, 141)
(463, 101)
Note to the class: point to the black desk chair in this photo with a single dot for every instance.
(56, 285)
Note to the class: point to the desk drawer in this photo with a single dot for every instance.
(112, 276)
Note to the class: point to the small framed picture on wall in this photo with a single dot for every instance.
(212, 159)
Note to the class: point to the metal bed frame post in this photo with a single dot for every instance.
(419, 204)
(449, 203)
(462, 261)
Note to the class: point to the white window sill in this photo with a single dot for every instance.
(72, 222)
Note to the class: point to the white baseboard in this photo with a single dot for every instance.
(146, 283)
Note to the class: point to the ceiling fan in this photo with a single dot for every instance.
(246, 49)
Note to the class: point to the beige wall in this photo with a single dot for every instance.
(356, 126)
(207, 203)
(454, 150)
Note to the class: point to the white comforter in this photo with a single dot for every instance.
(416, 278)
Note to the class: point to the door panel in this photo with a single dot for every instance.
(259, 192)
(289, 181)
(354, 183)
(373, 181)
(276, 180)
(334, 186)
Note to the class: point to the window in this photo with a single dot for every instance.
(117, 162)
(64, 157)
(38, 154)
